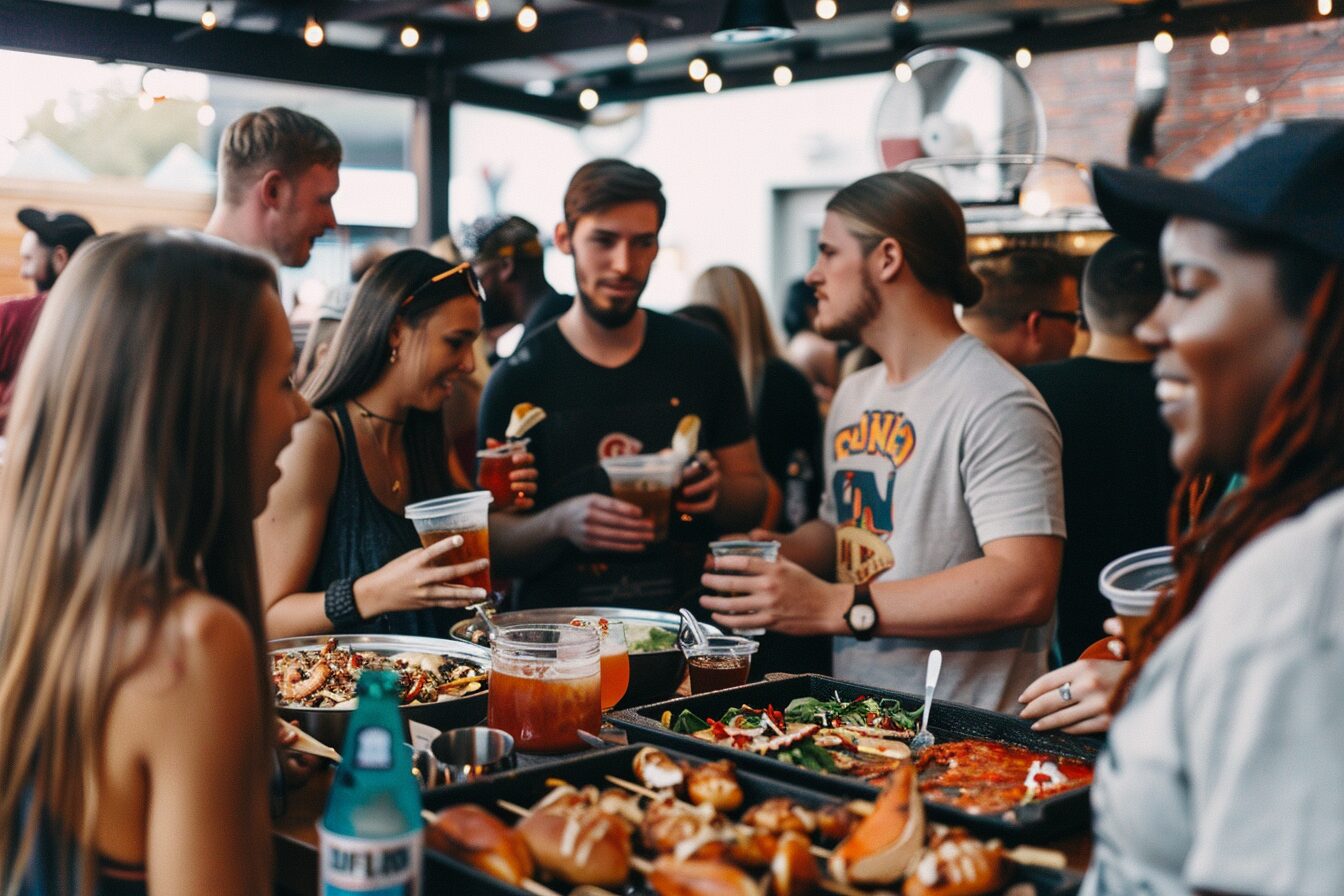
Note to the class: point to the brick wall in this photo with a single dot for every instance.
(1088, 95)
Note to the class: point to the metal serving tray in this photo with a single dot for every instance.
(328, 724)
(1033, 823)
(525, 787)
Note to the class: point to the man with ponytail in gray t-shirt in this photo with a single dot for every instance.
(942, 522)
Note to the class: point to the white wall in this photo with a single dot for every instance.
(719, 157)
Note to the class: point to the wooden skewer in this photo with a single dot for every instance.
(528, 884)
(818, 851)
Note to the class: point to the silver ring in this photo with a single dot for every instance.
(1066, 692)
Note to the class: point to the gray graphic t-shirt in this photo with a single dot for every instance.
(918, 477)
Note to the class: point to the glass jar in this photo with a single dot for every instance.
(546, 685)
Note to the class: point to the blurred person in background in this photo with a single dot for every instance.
(44, 251)
(336, 552)
(323, 328)
(139, 454)
(278, 171)
(1029, 312)
(508, 254)
(783, 409)
(464, 402)
(816, 356)
(1118, 480)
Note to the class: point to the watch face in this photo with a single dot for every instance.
(862, 617)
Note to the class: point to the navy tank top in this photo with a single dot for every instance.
(44, 875)
(363, 535)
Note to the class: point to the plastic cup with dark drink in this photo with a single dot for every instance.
(765, 550)
(493, 466)
(467, 515)
(721, 662)
(647, 481)
(1133, 583)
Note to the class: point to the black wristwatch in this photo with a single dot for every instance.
(861, 617)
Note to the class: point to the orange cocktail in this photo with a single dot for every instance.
(615, 657)
(545, 685)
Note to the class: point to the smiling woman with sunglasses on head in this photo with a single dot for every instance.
(336, 552)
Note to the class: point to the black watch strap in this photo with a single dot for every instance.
(861, 617)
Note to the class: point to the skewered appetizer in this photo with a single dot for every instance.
(956, 864)
(477, 838)
(571, 838)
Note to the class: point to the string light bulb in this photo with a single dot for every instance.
(208, 18)
(697, 69)
(713, 83)
(904, 72)
(1164, 42)
(313, 35)
(901, 11)
(1023, 57)
(410, 37)
(1252, 95)
(783, 76)
(1325, 7)
(637, 51)
(145, 101)
(588, 99)
(1221, 43)
(526, 19)
(205, 115)
(826, 9)
(482, 10)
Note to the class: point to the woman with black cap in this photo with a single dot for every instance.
(1218, 774)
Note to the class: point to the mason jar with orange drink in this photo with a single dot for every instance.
(546, 685)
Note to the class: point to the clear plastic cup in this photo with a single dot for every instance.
(647, 481)
(1133, 583)
(765, 550)
(467, 515)
(721, 662)
(493, 466)
(546, 685)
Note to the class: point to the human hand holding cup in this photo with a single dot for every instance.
(466, 515)
(646, 481)
(767, 551)
(508, 471)
(1133, 583)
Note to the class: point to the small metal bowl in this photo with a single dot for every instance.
(464, 754)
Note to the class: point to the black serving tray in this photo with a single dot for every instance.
(525, 787)
(1033, 823)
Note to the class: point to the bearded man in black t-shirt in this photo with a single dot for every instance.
(616, 379)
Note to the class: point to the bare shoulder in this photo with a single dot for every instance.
(309, 465)
(214, 637)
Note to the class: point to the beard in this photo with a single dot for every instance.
(608, 318)
(46, 278)
(864, 312)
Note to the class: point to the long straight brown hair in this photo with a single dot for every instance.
(126, 480)
(731, 291)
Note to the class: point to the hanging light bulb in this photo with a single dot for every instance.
(1252, 95)
(208, 18)
(1023, 57)
(588, 99)
(1164, 42)
(526, 18)
(482, 10)
(697, 69)
(145, 101)
(1325, 7)
(313, 35)
(637, 51)
(410, 37)
(826, 9)
(1221, 43)
(901, 11)
(783, 75)
(205, 115)
(904, 72)
(713, 83)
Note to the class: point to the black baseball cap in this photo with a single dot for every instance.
(62, 229)
(1285, 179)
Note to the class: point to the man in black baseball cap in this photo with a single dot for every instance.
(44, 252)
(47, 246)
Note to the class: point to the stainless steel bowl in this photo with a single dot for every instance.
(328, 724)
(654, 676)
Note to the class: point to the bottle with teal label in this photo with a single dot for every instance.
(371, 836)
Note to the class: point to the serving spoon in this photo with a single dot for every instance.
(924, 739)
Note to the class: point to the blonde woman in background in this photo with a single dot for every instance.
(135, 718)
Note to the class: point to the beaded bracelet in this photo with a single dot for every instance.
(340, 605)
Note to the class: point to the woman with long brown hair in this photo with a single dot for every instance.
(135, 719)
(336, 552)
(1222, 773)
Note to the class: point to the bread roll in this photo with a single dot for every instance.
(579, 845)
(472, 835)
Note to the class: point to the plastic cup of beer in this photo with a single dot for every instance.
(721, 662)
(1133, 583)
(765, 550)
(467, 515)
(493, 466)
(545, 685)
(647, 481)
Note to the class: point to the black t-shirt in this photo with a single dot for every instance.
(594, 412)
(788, 432)
(1118, 479)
